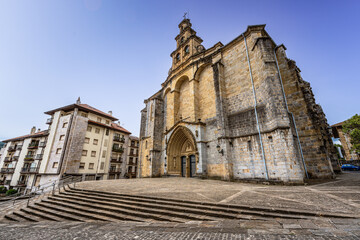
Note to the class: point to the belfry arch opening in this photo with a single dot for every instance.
(182, 153)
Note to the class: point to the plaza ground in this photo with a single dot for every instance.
(340, 197)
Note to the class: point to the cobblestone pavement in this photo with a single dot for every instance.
(277, 229)
(339, 196)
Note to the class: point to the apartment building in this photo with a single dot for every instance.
(80, 141)
(132, 156)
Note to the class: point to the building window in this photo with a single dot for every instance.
(58, 151)
(89, 128)
(84, 153)
(55, 164)
(65, 125)
(177, 58)
(105, 142)
(87, 140)
(99, 119)
(82, 165)
(107, 122)
(62, 137)
(93, 153)
(91, 165)
(95, 142)
(145, 144)
(104, 153)
(97, 130)
(187, 50)
(102, 164)
(182, 40)
(107, 132)
(83, 114)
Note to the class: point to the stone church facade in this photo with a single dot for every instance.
(234, 111)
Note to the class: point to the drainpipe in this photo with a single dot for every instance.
(255, 105)
(292, 115)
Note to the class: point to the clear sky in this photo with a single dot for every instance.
(116, 53)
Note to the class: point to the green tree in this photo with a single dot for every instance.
(352, 127)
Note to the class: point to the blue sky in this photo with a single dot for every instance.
(115, 53)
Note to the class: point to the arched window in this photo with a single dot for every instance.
(177, 57)
(187, 50)
(182, 40)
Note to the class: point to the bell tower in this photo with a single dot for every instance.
(187, 43)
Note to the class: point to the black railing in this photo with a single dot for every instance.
(11, 148)
(29, 157)
(118, 149)
(42, 144)
(39, 156)
(15, 158)
(29, 170)
(7, 159)
(18, 147)
(116, 159)
(114, 170)
(21, 183)
(7, 170)
(33, 145)
(119, 139)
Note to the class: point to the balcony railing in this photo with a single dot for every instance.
(33, 145)
(7, 182)
(39, 156)
(49, 120)
(18, 147)
(114, 170)
(7, 170)
(7, 159)
(30, 170)
(118, 149)
(119, 139)
(15, 158)
(42, 144)
(132, 163)
(21, 183)
(11, 149)
(29, 157)
(133, 155)
(116, 160)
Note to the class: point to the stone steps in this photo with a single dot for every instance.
(113, 211)
(185, 212)
(211, 210)
(88, 205)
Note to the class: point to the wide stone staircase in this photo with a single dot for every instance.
(72, 204)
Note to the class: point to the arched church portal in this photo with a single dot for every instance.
(182, 153)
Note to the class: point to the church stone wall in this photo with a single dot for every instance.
(212, 96)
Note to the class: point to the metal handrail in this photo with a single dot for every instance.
(41, 191)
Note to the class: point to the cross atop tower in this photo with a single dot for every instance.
(185, 15)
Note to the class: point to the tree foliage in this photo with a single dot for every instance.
(352, 127)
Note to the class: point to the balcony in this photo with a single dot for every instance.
(132, 163)
(42, 144)
(15, 158)
(21, 183)
(116, 160)
(29, 157)
(30, 170)
(133, 154)
(114, 170)
(119, 139)
(18, 147)
(7, 170)
(5, 182)
(39, 156)
(7, 159)
(118, 149)
(12, 149)
(33, 145)
(49, 121)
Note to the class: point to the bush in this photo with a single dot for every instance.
(11, 192)
(3, 189)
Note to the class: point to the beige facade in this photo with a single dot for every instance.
(80, 141)
(133, 155)
(234, 111)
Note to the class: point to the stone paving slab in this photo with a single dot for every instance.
(340, 196)
(229, 229)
